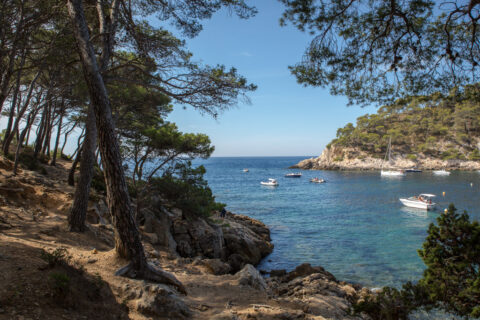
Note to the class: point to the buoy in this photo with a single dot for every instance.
(446, 210)
(443, 193)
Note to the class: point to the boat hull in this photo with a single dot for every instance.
(269, 184)
(392, 173)
(417, 204)
(441, 173)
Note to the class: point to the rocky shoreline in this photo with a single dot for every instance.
(212, 257)
(335, 158)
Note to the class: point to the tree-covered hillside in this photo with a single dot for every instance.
(445, 127)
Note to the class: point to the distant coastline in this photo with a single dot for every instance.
(341, 158)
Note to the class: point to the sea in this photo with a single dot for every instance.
(353, 225)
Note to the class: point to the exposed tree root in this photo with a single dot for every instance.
(151, 273)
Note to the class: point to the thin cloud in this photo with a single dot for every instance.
(246, 54)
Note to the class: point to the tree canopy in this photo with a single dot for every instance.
(376, 51)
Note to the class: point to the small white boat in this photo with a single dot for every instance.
(392, 173)
(423, 201)
(388, 154)
(271, 182)
(317, 180)
(293, 175)
(441, 172)
(245, 170)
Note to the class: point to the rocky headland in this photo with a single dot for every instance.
(51, 273)
(347, 158)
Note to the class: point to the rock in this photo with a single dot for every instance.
(306, 269)
(160, 225)
(278, 273)
(236, 262)
(158, 301)
(216, 266)
(184, 249)
(249, 276)
(242, 240)
(207, 238)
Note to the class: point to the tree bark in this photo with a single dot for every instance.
(59, 132)
(78, 212)
(73, 168)
(127, 237)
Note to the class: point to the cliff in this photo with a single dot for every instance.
(347, 158)
(51, 273)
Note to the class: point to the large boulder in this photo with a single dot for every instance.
(216, 266)
(160, 223)
(242, 240)
(249, 276)
(156, 300)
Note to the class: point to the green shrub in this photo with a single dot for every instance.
(186, 189)
(411, 157)
(57, 257)
(60, 283)
(98, 180)
(452, 154)
(474, 155)
(338, 158)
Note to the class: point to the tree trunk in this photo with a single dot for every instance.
(40, 133)
(30, 120)
(8, 138)
(127, 237)
(78, 212)
(57, 140)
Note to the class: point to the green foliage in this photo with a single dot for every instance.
(376, 51)
(419, 125)
(451, 253)
(56, 257)
(338, 158)
(474, 155)
(186, 189)
(411, 157)
(451, 280)
(98, 180)
(60, 283)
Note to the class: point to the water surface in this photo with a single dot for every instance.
(353, 225)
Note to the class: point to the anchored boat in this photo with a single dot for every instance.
(390, 173)
(293, 175)
(423, 201)
(271, 182)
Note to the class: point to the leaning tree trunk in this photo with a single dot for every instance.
(127, 236)
(78, 212)
(73, 168)
(57, 140)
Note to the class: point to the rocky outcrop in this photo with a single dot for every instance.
(316, 292)
(249, 276)
(156, 300)
(236, 239)
(339, 158)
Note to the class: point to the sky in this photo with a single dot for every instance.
(284, 118)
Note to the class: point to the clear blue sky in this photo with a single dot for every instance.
(284, 118)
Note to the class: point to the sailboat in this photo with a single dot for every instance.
(390, 173)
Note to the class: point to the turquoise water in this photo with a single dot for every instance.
(353, 225)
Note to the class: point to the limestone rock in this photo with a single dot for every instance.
(216, 266)
(249, 276)
(157, 301)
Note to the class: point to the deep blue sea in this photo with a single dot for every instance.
(353, 225)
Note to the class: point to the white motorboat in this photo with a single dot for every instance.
(317, 180)
(245, 170)
(441, 172)
(271, 182)
(423, 201)
(390, 173)
(293, 175)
